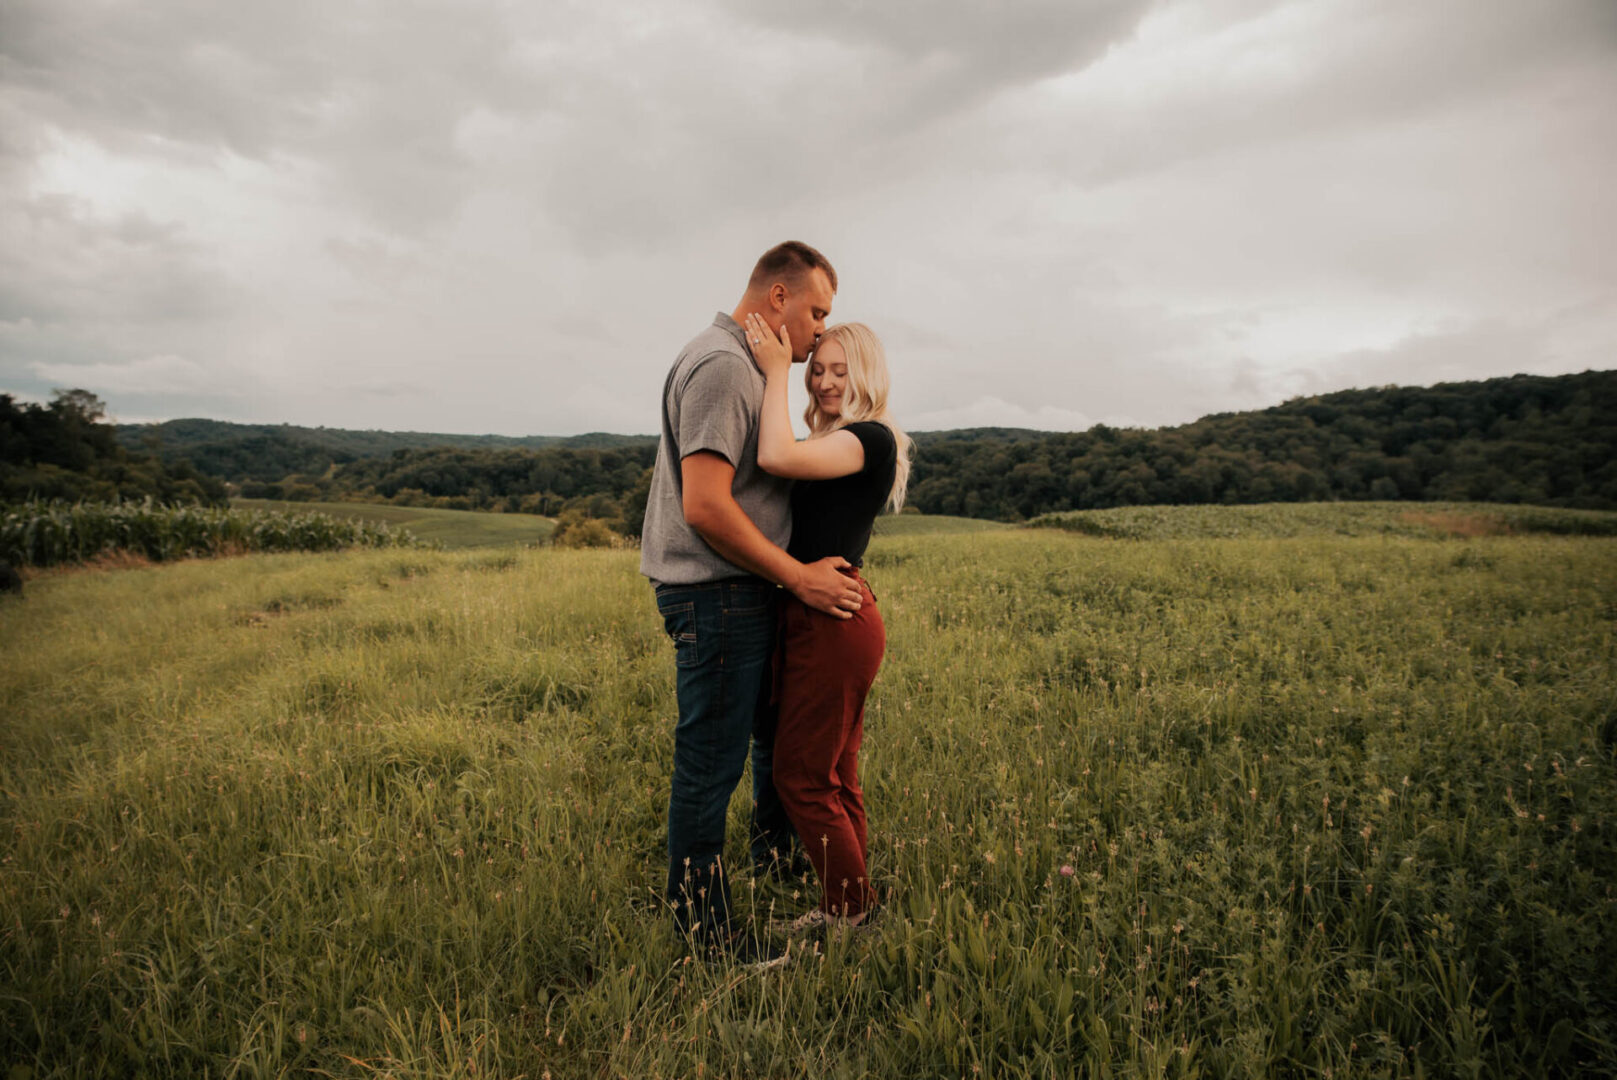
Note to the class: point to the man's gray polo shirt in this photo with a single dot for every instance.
(711, 402)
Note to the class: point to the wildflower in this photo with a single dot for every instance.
(1066, 871)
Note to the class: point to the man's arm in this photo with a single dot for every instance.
(712, 511)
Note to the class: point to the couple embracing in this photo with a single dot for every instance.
(754, 541)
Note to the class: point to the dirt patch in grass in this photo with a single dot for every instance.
(116, 559)
(1461, 525)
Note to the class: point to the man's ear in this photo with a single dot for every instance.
(777, 296)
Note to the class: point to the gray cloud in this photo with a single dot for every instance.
(926, 59)
(373, 98)
(66, 264)
(503, 217)
(1573, 339)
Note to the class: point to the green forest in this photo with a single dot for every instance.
(1545, 440)
(65, 450)
(1521, 439)
(275, 451)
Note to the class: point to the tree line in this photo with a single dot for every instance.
(65, 450)
(1547, 440)
(600, 483)
(272, 452)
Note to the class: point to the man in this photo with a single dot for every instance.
(713, 544)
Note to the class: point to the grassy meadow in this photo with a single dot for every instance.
(1292, 520)
(1313, 805)
(931, 525)
(454, 529)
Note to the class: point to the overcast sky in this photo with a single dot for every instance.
(508, 217)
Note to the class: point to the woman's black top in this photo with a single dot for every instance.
(833, 517)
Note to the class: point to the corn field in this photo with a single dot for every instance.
(41, 533)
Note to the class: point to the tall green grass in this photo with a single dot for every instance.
(41, 533)
(931, 524)
(1337, 806)
(1271, 520)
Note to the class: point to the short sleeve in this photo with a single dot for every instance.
(714, 411)
(881, 451)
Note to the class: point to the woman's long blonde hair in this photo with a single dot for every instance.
(864, 399)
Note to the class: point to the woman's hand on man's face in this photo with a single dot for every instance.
(772, 351)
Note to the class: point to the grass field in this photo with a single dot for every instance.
(1322, 806)
(454, 529)
(931, 525)
(1292, 520)
(467, 529)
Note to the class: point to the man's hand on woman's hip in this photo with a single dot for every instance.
(823, 586)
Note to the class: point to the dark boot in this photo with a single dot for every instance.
(699, 895)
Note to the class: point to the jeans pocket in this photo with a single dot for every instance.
(680, 622)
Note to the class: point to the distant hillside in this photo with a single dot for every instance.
(268, 452)
(1549, 440)
(981, 434)
(274, 451)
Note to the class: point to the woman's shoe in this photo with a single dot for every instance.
(810, 922)
(745, 950)
(816, 923)
(866, 924)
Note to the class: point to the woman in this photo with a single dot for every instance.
(855, 461)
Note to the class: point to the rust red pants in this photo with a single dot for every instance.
(824, 669)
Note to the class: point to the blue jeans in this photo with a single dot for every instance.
(724, 644)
